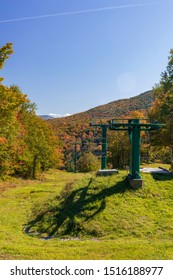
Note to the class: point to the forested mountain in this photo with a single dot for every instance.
(114, 109)
(76, 125)
(77, 129)
(122, 107)
(45, 117)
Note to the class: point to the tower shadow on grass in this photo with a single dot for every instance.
(74, 208)
(162, 177)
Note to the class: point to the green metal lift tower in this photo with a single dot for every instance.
(104, 143)
(134, 127)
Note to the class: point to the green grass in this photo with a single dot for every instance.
(87, 217)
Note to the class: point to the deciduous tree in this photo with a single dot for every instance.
(5, 52)
(162, 110)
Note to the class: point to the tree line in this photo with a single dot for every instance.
(27, 143)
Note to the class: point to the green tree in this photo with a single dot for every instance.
(10, 106)
(42, 144)
(27, 143)
(88, 162)
(162, 109)
(5, 52)
(118, 149)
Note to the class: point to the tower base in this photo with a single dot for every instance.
(135, 183)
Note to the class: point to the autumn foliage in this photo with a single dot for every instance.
(27, 143)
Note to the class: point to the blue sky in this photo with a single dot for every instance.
(73, 55)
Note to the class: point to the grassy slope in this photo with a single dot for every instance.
(106, 220)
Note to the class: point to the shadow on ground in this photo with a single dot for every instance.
(73, 209)
(162, 177)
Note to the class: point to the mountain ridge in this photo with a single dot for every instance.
(77, 128)
(113, 109)
(145, 101)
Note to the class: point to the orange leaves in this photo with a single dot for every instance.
(136, 115)
(3, 140)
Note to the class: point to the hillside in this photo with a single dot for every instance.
(77, 127)
(107, 208)
(122, 107)
(91, 217)
(114, 109)
(45, 117)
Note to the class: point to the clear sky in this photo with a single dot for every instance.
(72, 55)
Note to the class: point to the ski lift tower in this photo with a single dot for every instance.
(104, 143)
(134, 127)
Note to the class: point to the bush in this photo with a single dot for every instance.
(88, 162)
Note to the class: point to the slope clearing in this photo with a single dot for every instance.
(81, 216)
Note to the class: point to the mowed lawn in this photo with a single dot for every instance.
(127, 224)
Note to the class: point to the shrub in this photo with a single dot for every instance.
(88, 162)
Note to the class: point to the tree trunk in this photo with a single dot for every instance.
(33, 171)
